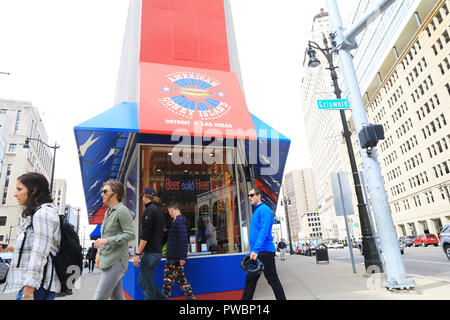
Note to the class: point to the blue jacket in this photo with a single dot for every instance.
(260, 237)
(177, 243)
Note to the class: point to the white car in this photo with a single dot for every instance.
(338, 245)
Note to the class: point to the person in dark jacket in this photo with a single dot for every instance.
(90, 256)
(177, 247)
(282, 247)
(149, 252)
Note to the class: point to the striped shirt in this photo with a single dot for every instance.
(41, 240)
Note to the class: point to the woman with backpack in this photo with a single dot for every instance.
(32, 272)
(116, 231)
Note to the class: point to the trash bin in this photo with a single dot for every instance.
(322, 253)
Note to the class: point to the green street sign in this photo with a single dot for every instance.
(333, 104)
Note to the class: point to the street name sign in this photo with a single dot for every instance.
(333, 104)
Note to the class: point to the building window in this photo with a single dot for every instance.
(2, 221)
(16, 129)
(5, 189)
(12, 147)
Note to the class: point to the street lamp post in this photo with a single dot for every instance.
(287, 202)
(371, 256)
(56, 146)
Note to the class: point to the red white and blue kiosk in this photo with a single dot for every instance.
(181, 126)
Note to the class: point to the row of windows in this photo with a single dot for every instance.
(409, 57)
(427, 197)
(439, 43)
(425, 109)
(395, 97)
(439, 146)
(441, 169)
(395, 173)
(380, 115)
(445, 63)
(391, 82)
(404, 128)
(409, 144)
(386, 143)
(400, 112)
(314, 224)
(420, 91)
(5, 189)
(418, 180)
(434, 126)
(390, 158)
(414, 162)
(439, 19)
(398, 189)
(414, 74)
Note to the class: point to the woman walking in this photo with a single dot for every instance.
(32, 273)
(112, 255)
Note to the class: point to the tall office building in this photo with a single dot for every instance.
(25, 121)
(72, 215)
(59, 194)
(299, 197)
(406, 88)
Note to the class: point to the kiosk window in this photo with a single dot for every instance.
(206, 192)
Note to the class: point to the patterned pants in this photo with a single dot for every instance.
(174, 272)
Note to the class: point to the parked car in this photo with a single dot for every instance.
(401, 246)
(4, 268)
(425, 240)
(408, 241)
(6, 256)
(338, 245)
(445, 240)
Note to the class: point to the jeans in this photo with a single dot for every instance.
(110, 284)
(39, 294)
(270, 272)
(148, 264)
(91, 264)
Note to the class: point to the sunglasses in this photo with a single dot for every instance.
(251, 195)
(104, 191)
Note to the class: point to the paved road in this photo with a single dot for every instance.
(428, 261)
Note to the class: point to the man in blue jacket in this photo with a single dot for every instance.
(262, 247)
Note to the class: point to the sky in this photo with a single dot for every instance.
(64, 56)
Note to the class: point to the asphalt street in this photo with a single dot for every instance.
(423, 261)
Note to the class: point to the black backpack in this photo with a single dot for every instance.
(68, 262)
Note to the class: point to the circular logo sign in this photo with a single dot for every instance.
(192, 93)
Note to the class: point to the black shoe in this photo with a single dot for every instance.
(69, 292)
(61, 294)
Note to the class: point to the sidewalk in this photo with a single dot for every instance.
(304, 279)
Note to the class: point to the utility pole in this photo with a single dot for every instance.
(286, 203)
(345, 41)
